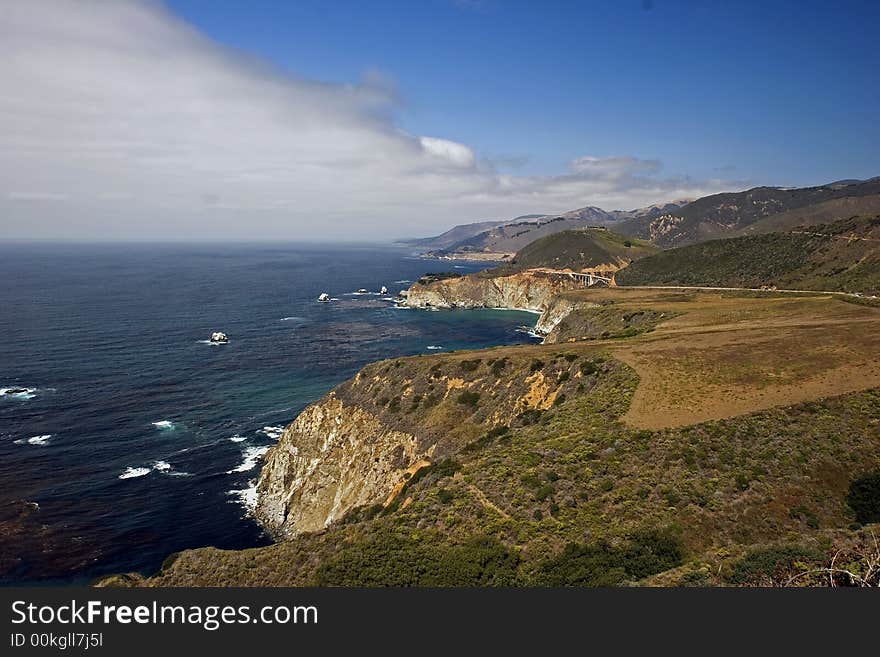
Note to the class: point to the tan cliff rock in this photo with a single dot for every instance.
(528, 290)
(332, 458)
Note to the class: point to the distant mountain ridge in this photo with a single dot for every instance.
(508, 237)
(728, 214)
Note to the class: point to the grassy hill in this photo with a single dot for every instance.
(577, 249)
(682, 456)
(842, 256)
(720, 215)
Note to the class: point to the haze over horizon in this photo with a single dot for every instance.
(222, 120)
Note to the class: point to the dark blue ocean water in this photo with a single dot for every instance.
(111, 339)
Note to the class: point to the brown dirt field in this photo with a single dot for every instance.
(727, 355)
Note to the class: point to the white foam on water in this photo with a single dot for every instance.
(388, 299)
(247, 497)
(405, 280)
(162, 466)
(23, 394)
(163, 425)
(272, 432)
(251, 456)
(131, 473)
(34, 440)
(434, 346)
(237, 438)
(291, 319)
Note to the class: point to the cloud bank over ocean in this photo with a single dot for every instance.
(119, 120)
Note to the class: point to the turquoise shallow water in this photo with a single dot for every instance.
(135, 438)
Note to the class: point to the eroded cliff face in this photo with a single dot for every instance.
(359, 444)
(528, 290)
(332, 458)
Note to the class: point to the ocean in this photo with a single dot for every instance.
(134, 437)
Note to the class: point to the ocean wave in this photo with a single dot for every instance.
(433, 347)
(529, 332)
(131, 473)
(211, 342)
(405, 280)
(238, 438)
(157, 466)
(272, 432)
(247, 497)
(34, 440)
(164, 425)
(292, 319)
(18, 392)
(251, 456)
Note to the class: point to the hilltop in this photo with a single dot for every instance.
(587, 248)
(842, 256)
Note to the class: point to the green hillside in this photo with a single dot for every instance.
(577, 249)
(843, 256)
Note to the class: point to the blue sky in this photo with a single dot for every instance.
(770, 92)
(141, 119)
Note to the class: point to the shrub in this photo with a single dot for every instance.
(536, 365)
(469, 365)
(498, 366)
(769, 565)
(469, 398)
(588, 367)
(445, 495)
(864, 497)
(390, 560)
(601, 564)
(530, 416)
(544, 492)
(486, 439)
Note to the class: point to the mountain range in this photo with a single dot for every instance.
(676, 223)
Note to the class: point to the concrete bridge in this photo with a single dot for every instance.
(590, 279)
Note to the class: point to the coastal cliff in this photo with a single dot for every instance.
(527, 290)
(332, 458)
(361, 443)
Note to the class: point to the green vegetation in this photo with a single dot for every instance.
(773, 565)
(606, 322)
(843, 256)
(437, 276)
(602, 564)
(395, 560)
(864, 497)
(575, 249)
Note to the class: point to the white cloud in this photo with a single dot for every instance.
(119, 120)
